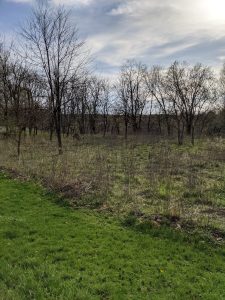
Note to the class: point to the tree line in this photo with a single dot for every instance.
(48, 86)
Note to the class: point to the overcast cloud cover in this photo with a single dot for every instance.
(153, 31)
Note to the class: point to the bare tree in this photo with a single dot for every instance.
(105, 105)
(5, 73)
(81, 98)
(194, 92)
(134, 74)
(122, 102)
(132, 93)
(35, 93)
(53, 44)
(96, 91)
(156, 84)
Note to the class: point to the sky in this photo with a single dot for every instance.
(156, 32)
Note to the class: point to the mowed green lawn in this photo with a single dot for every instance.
(49, 251)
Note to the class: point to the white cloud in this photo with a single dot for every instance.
(57, 2)
(159, 31)
(20, 1)
(155, 31)
(72, 2)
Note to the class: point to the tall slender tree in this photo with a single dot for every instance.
(55, 49)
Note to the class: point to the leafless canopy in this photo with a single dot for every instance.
(55, 49)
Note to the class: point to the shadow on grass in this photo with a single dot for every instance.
(201, 237)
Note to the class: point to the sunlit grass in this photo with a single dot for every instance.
(49, 251)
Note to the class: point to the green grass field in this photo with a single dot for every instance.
(49, 251)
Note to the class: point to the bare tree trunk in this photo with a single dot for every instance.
(126, 126)
(149, 123)
(189, 128)
(193, 135)
(58, 129)
(105, 125)
(168, 125)
(19, 141)
(180, 131)
(160, 125)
